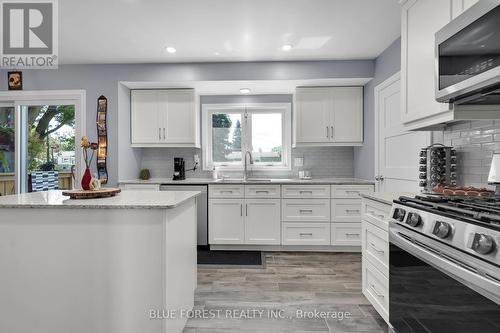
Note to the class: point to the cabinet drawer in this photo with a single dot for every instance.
(346, 210)
(226, 191)
(306, 233)
(346, 234)
(375, 246)
(140, 187)
(350, 191)
(376, 213)
(305, 191)
(311, 210)
(263, 191)
(376, 289)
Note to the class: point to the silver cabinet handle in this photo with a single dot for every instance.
(241, 209)
(159, 133)
(262, 191)
(351, 234)
(226, 191)
(306, 234)
(376, 248)
(376, 292)
(303, 211)
(356, 192)
(372, 213)
(327, 133)
(331, 135)
(310, 192)
(164, 135)
(352, 210)
(246, 209)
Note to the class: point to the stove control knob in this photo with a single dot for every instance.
(414, 220)
(483, 244)
(442, 229)
(399, 214)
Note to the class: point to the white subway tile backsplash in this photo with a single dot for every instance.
(475, 143)
(323, 162)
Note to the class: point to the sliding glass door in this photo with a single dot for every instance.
(7, 149)
(39, 132)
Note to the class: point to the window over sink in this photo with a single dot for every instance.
(230, 130)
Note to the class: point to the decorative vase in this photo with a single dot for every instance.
(86, 179)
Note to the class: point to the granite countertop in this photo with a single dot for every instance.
(124, 200)
(387, 197)
(169, 181)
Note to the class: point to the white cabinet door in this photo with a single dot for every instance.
(460, 6)
(145, 117)
(179, 120)
(312, 111)
(347, 122)
(226, 221)
(262, 221)
(421, 19)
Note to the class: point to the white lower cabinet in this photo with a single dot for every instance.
(226, 221)
(310, 210)
(262, 221)
(375, 250)
(311, 233)
(376, 288)
(345, 234)
(346, 210)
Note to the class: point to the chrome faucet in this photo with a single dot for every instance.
(248, 153)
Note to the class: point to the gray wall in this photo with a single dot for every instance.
(104, 80)
(386, 65)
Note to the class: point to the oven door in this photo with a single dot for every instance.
(435, 290)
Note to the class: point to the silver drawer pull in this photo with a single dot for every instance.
(226, 191)
(262, 191)
(303, 192)
(303, 211)
(351, 234)
(306, 234)
(376, 248)
(354, 192)
(372, 213)
(352, 210)
(376, 292)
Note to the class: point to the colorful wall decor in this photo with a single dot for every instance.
(102, 139)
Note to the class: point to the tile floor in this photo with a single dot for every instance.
(291, 282)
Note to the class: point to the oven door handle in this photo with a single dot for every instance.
(483, 283)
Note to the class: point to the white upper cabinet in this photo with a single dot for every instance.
(347, 119)
(328, 116)
(421, 19)
(167, 118)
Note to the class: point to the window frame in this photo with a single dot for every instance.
(246, 109)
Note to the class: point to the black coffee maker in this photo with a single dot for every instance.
(179, 169)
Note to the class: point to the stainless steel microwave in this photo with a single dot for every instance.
(468, 57)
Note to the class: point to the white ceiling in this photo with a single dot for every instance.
(137, 31)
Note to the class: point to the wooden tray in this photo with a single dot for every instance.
(102, 193)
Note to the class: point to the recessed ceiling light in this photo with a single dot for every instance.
(245, 90)
(286, 47)
(171, 49)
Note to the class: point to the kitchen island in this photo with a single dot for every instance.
(99, 265)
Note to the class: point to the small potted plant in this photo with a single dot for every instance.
(87, 175)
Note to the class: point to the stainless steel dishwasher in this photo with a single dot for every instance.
(202, 203)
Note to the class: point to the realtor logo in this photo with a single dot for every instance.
(29, 34)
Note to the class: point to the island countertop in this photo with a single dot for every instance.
(124, 200)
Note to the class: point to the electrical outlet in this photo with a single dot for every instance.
(197, 159)
(299, 161)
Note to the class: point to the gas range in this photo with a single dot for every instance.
(471, 225)
(444, 265)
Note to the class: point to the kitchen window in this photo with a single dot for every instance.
(230, 130)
